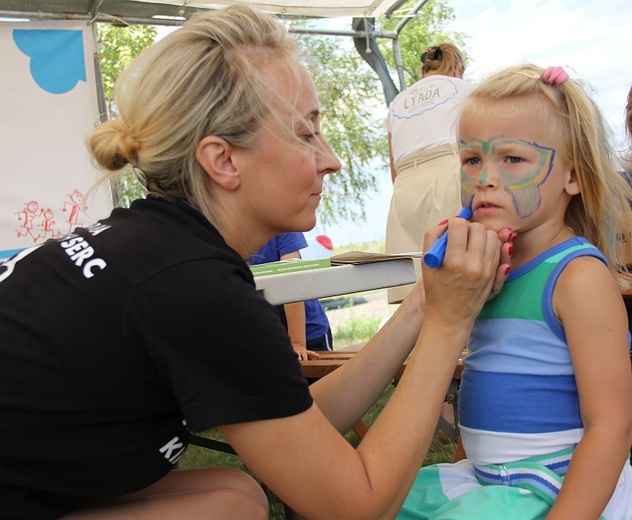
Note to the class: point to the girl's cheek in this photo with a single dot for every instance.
(467, 189)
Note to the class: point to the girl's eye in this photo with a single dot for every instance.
(472, 161)
(310, 137)
(514, 160)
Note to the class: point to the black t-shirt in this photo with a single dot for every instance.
(119, 339)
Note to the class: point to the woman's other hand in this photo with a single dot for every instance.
(506, 237)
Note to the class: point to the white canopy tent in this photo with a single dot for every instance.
(176, 12)
(309, 8)
(159, 9)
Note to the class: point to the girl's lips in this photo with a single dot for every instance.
(487, 209)
(486, 205)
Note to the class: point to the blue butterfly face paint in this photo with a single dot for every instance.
(518, 167)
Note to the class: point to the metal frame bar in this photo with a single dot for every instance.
(93, 15)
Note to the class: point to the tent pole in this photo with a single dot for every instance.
(397, 53)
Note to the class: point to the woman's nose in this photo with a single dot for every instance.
(328, 161)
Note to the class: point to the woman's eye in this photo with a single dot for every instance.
(310, 137)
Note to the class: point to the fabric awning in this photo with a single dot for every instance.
(320, 8)
(164, 10)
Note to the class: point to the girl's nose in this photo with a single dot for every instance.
(488, 178)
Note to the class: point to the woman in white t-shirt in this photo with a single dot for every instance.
(423, 152)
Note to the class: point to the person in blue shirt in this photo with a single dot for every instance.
(306, 322)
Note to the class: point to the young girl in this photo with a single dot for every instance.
(546, 394)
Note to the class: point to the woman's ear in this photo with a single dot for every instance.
(215, 155)
(571, 186)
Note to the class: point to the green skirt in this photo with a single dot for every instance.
(466, 498)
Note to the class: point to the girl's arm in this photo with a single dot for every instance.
(295, 318)
(589, 306)
(305, 460)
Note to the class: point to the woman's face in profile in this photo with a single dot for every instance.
(285, 169)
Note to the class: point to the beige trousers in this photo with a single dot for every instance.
(426, 191)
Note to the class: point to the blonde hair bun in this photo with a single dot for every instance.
(113, 146)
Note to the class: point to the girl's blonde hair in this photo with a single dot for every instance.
(601, 212)
(202, 79)
(441, 59)
(628, 131)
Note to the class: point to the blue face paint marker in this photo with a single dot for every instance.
(435, 254)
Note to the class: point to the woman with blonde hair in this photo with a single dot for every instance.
(423, 152)
(153, 328)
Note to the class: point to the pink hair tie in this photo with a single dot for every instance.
(554, 76)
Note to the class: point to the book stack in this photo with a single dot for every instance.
(288, 266)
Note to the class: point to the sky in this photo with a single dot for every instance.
(591, 39)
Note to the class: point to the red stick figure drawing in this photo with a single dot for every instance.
(74, 207)
(47, 225)
(27, 217)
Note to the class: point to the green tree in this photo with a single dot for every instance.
(118, 46)
(349, 96)
(426, 28)
(352, 101)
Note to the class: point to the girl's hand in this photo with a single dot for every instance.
(304, 354)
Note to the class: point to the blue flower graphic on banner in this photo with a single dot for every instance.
(57, 58)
